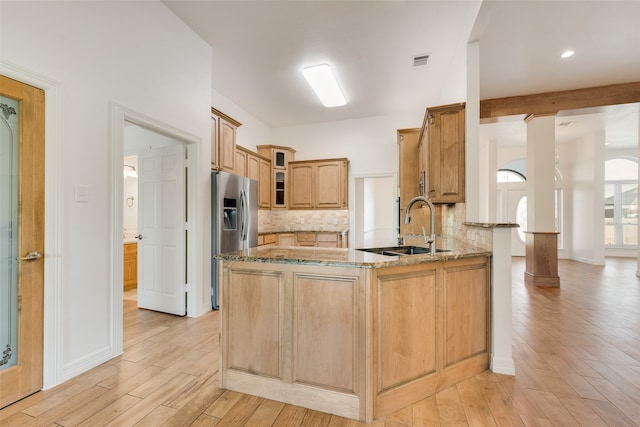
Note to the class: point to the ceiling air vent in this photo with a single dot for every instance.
(420, 60)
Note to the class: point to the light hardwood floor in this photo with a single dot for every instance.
(576, 351)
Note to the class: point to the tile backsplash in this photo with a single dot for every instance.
(453, 219)
(303, 220)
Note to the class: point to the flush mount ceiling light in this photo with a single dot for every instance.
(567, 54)
(324, 84)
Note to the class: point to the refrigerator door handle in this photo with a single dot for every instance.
(244, 216)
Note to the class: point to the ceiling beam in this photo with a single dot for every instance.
(553, 102)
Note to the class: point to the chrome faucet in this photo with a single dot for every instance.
(432, 232)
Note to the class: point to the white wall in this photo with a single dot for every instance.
(586, 182)
(369, 143)
(252, 132)
(135, 54)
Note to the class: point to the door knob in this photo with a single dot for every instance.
(31, 256)
(139, 237)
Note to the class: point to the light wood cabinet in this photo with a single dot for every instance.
(268, 239)
(329, 240)
(223, 141)
(360, 343)
(214, 141)
(264, 191)
(130, 266)
(410, 183)
(442, 150)
(280, 158)
(319, 239)
(286, 239)
(240, 164)
(258, 168)
(319, 184)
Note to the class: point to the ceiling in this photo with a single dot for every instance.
(259, 48)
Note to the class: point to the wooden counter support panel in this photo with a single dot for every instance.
(432, 328)
(325, 331)
(466, 302)
(406, 328)
(254, 346)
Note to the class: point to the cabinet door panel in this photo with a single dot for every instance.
(445, 133)
(329, 185)
(325, 331)
(240, 163)
(254, 320)
(302, 186)
(264, 189)
(451, 165)
(407, 330)
(214, 142)
(466, 310)
(227, 145)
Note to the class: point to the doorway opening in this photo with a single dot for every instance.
(154, 221)
(124, 123)
(375, 216)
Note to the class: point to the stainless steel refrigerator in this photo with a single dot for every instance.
(234, 212)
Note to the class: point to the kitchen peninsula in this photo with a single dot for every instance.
(353, 333)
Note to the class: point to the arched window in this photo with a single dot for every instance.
(509, 175)
(621, 203)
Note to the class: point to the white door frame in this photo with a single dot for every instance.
(121, 114)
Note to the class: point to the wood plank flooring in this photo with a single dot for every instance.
(576, 351)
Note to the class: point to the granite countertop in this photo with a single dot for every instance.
(351, 257)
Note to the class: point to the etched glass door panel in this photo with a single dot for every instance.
(9, 133)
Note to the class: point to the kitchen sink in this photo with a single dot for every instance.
(402, 250)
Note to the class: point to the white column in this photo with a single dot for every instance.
(598, 197)
(501, 322)
(472, 133)
(541, 267)
(541, 173)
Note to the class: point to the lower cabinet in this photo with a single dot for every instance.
(267, 239)
(323, 239)
(286, 239)
(130, 267)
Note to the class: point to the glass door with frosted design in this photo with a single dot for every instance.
(9, 110)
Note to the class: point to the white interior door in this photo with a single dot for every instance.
(161, 227)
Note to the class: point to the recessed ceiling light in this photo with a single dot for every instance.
(567, 54)
(325, 85)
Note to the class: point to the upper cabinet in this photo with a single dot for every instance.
(280, 158)
(319, 184)
(223, 141)
(258, 168)
(442, 151)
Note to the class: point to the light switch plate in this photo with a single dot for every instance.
(81, 193)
